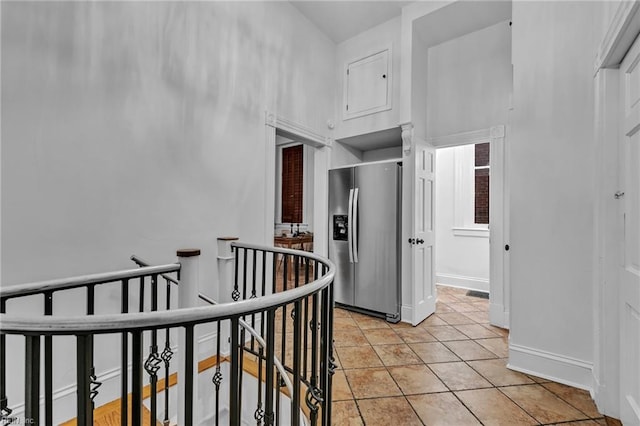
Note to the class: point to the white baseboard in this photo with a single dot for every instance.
(460, 281)
(551, 366)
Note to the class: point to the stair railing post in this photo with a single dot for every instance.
(226, 260)
(188, 291)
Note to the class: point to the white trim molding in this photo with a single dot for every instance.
(407, 136)
(465, 138)
(558, 368)
(460, 281)
(289, 126)
(620, 35)
(471, 232)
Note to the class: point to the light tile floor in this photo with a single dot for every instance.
(449, 370)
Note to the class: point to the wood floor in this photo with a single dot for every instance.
(110, 413)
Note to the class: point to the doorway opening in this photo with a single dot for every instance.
(462, 226)
(294, 181)
(281, 133)
(471, 219)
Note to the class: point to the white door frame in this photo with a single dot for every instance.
(321, 158)
(499, 287)
(619, 37)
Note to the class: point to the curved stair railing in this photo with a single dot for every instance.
(275, 317)
(254, 334)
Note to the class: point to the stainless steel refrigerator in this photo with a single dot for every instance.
(364, 237)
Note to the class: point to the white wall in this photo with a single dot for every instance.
(382, 154)
(469, 81)
(366, 43)
(551, 154)
(462, 260)
(343, 155)
(139, 128)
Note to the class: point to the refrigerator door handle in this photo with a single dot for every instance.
(355, 225)
(350, 226)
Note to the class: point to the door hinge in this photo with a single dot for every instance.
(347, 107)
(618, 195)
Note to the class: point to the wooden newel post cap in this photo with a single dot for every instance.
(188, 252)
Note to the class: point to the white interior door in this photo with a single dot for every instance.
(422, 238)
(629, 197)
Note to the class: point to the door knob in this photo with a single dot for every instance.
(420, 241)
(412, 240)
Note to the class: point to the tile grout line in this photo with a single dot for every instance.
(405, 343)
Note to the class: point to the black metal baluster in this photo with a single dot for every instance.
(254, 273)
(189, 382)
(48, 363)
(259, 413)
(253, 295)
(274, 273)
(311, 396)
(136, 377)
(93, 378)
(279, 381)
(166, 356)
(138, 363)
(141, 303)
(330, 359)
(217, 377)
(241, 343)
(5, 411)
(324, 359)
(234, 396)
(240, 369)
(295, 398)
(244, 274)
(124, 358)
(235, 294)
(264, 273)
(83, 378)
(271, 330)
(152, 364)
(32, 380)
(305, 322)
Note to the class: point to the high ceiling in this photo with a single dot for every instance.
(341, 20)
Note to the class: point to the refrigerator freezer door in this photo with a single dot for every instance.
(376, 274)
(340, 187)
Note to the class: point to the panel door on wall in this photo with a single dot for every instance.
(367, 88)
(423, 234)
(629, 197)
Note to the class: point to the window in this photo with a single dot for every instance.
(481, 207)
(292, 184)
(471, 190)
